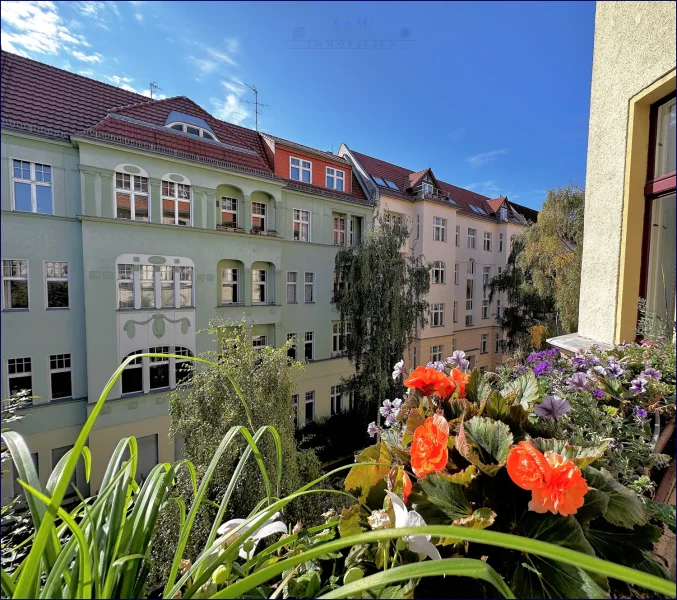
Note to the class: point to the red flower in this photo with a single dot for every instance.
(555, 482)
(430, 381)
(406, 486)
(429, 449)
(460, 379)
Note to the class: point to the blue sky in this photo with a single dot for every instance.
(493, 96)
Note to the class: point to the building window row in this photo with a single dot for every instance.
(15, 284)
(132, 200)
(20, 376)
(154, 286)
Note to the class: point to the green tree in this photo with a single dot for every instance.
(553, 249)
(381, 291)
(526, 307)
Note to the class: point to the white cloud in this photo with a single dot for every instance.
(98, 11)
(138, 16)
(36, 27)
(86, 73)
(484, 157)
(90, 58)
(218, 55)
(232, 45)
(117, 80)
(205, 65)
(231, 109)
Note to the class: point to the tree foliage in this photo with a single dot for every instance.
(381, 291)
(553, 252)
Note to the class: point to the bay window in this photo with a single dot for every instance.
(149, 286)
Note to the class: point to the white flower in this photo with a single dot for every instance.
(269, 527)
(420, 544)
(379, 519)
(397, 369)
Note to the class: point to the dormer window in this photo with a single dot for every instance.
(300, 170)
(503, 214)
(335, 179)
(427, 188)
(192, 130)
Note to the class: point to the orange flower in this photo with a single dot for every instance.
(430, 381)
(406, 486)
(460, 379)
(555, 482)
(429, 448)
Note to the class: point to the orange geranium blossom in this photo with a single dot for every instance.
(460, 379)
(430, 381)
(555, 482)
(429, 448)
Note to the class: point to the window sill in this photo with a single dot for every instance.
(573, 342)
(15, 309)
(292, 302)
(311, 302)
(226, 304)
(164, 308)
(57, 308)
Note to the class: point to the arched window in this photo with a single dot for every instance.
(131, 194)
(157, 373)
(132, 376)
(439, 272)
(193, 130)
(176, 202)
(471, 267)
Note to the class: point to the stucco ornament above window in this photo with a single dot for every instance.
(158, 325)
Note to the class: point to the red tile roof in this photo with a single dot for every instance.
(495, 203)
(39, 95)
(403, 177)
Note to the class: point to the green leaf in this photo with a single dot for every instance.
(480, 519)
(477, 389)
(362, 478)
(551, 579)
(353, 574)
(620, 545)
(625, 508)
(305, 586)
(349, 523)
(497, 407)
(484, 443)
(525, 388)
(579, 455)
(595, 505)
(446, 496)
(463, 477)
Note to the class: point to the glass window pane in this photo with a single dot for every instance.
(665, 139)
(16, 294)
(168, 212)
(192, 130)
(57, 294)
(126, 294)
(22, 196)
(186, 293)
(16, 384)
(184, 213)
(132, 380)
(305, 175)
(167, 293)
(141, 208)
(339, 184)
(159, 376)
(295, 173)
(61, 385)
(124, 210)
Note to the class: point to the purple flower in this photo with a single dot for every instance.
(638, 386)
(640, 413)
(579, 363)
(397, 369)
(373, 429)
(439, 365)
(577, 382)
(552, 353)
(458, 359)
(534, 357)
(522, 369)
(600, 370)
(396, 405)
(614, 369)
(542, 368)
(597, 393)
(651, 373)
(391, 419)
(552, 407)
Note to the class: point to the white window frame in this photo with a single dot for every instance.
(487, 241)
(498, 342)
(485, 309)
(472, 236)
(469, 287)
(301, 168)
(132, 193)
(336, 177)
(437, 314)
(484, 343)
(503, 213)
(263, 284)
(468, 320)
(439, 272)
(339, 229)
(234, 283)
(470, 267)
(456, 274)
(336, 399)
(33, 182)
(154, 362)
(293, 285)
(455, 312)
(500, 242)
(49, 278)
(351, 231)
(427, 187)
(179, 280)
(306, 285)
(309, 399)
(486, 276)
(458, 235)
(262, 216)
(234, 202)
(339, 338)
(301, 222)
(147, 363)
(306, 339)
(185, 126)
(174, 197)
(436, 353)
(295, 345)
(22, 374)
(64, 369)
(259, 342)
(15, 278)
(439, 229)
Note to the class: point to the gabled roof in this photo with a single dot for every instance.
(416, 178)
(462, 197)
(39, 95)
(322, 153)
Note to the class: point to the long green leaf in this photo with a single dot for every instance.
(462, 567)
(7, 584)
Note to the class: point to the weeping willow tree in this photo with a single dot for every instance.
(381, 292)
(526, 308)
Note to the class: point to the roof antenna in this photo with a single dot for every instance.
(153, 86)
(256, 103)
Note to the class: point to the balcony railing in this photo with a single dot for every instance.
(427, 192)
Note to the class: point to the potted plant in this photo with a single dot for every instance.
(271, 232)
(256, 230)
(228, 226)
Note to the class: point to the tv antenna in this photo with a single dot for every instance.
(153, 86)
(256, 103)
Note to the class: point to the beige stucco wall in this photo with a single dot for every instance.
(634, 47)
